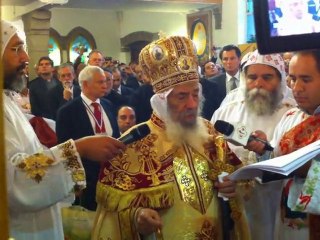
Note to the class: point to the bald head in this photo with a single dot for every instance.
(126, 118)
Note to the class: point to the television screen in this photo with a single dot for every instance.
(287, 25)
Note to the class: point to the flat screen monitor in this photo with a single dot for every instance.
(287, 25)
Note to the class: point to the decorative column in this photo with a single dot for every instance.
(37, 26)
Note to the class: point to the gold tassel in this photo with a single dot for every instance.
(159, 197)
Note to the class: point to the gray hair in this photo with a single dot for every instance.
(87, 73)
(65, 65)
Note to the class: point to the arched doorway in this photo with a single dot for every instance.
(135, 41)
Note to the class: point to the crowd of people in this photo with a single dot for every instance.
(173, 183)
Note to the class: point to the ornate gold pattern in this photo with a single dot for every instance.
(124, 173)
(221, 165)
(157, 121)
(208, 232)
(160, 197)
(194, 184)
(169, 61)
(175, 168)
(36, 166)
(70, 154)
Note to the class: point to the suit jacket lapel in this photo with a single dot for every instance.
(112, 119)
(84, 121)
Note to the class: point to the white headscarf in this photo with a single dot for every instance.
(159, 103)
(273, 60)
(8, 30)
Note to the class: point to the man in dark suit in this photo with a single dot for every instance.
(65, 91)
(118, 85)
(40, 87)
(212, 98)
(230, 58)
(134, 81)
(114, 97)
(210, 70)
(78, 118)
(140, 101)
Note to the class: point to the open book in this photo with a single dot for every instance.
(284, 165)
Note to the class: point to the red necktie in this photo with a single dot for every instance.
(99, 124)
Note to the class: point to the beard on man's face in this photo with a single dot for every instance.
(192, 132)
(188, 118)
(13, 80)
(261, 101)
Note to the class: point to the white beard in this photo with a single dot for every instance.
(195, 136)
(262, 102)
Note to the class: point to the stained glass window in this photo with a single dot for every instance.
(54, 51)
(79, 44)
(251, 32)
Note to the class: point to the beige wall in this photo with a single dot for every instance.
(103, 25)
(170, 23)
(234, 23)
(108, 27)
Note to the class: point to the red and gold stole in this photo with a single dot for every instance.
(308, 131)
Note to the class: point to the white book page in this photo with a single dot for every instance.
(283, 165)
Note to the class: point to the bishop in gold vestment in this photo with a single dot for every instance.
(165, 185)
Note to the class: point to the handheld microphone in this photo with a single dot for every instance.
(238, 134)
(135, 134)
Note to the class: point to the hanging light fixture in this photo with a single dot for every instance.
(54, 1)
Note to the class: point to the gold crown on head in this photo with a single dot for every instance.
(169, 61)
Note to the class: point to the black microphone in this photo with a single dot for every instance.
(135, 134)
(238, 134)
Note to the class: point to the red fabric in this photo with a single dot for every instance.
(301, 135)
(308, 131)
(99, 124)
(43, 131)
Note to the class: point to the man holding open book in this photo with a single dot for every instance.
(300, 127)
(264, 104)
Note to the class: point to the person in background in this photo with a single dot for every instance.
(126, 118)
(65, 91)
(116, 99)
(214, 56)
(96, 58)
(118, 85)
(87, 115)
(287, 57)
(140, 100)
(230, 58)
(136, 80)
(210, 70)
(38, 178)
(40, 87)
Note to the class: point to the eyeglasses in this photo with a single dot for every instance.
(20, 48)
(210, 66)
